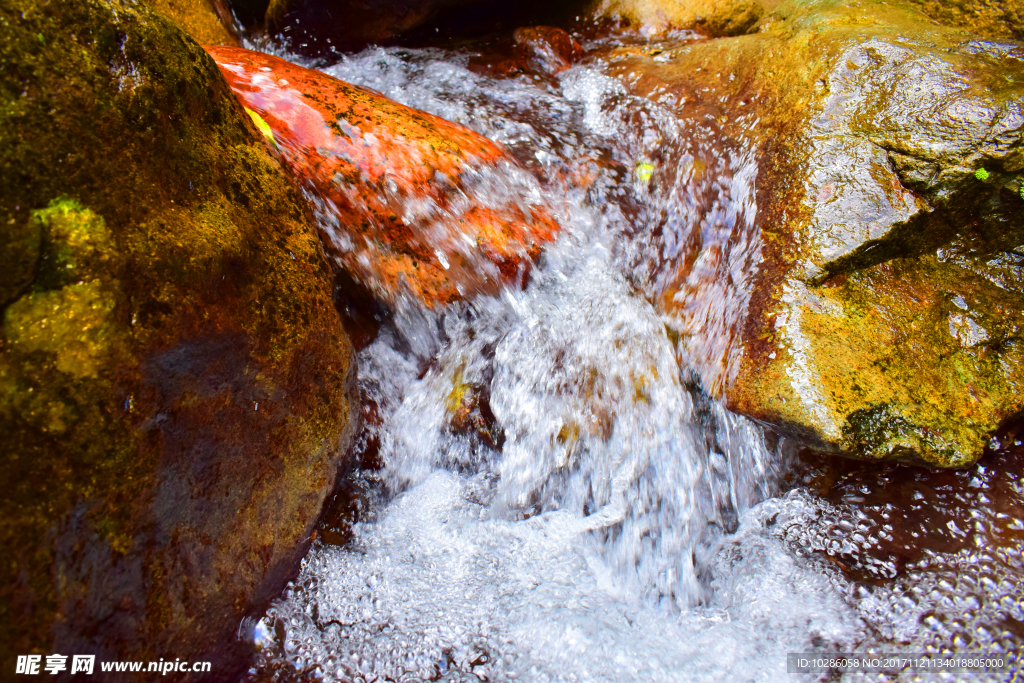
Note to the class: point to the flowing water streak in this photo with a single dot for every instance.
(596, 517)
(593, 527)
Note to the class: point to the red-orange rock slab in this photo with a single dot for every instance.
(409, 202)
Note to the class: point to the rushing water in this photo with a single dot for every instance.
(549, 490)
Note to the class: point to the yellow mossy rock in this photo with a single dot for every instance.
(709, 17)
(175, 384)
(880, 302)
(209, 22)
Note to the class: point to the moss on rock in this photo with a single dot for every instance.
(915, 359)
(209, 22)
(175, 385)
(997, 19)
(709, 17)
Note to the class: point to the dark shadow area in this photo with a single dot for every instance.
(321, 28)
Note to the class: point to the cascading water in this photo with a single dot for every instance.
(557, 499)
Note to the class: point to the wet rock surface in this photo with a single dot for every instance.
(995, 19)
(888, 211)
(178, 389)
(708, 17)
(541, 50)
(209, 22)
(551, 49)
(174, 380)
(410, 203)
(889, 519)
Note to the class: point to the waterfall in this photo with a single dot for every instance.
(562, 495)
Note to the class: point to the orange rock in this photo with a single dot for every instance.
(409, 202)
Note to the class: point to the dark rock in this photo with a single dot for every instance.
(549, 49)
(542, 50)
(175, 387)
(319, 27)
(469, 411)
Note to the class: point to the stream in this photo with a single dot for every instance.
(548, 489)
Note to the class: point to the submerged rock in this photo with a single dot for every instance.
(174, 382)
(550, 49)
(884, 320)
(535, 50)
(410, 202)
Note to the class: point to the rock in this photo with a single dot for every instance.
(995, 19)
(469, 411)
(174, 382)
(912, 359)
(411, 203)
(884, 315)
(550, 49)
(209, 22)
(538, 50)
(709, 17)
